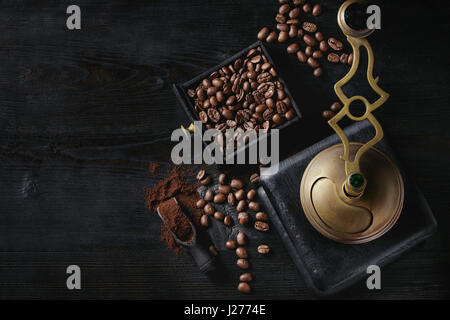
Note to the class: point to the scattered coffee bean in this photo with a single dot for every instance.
(241, 239)
(237, 184)
(254, 206)
(307, 8)
(336, 106)
(293, 48)
(227, 221)
(209, 195)
(318, 72)
(350, 59)
(317, 54)
(319, 36)
(272, 37)
(335, 44)
(243, 218)
(293, 31)
(222, 178)
(200, 204)
(262, 216)
(344, 58)
(254, 178)
(231, 199)
(327, 114)
(246, 277)
(284, 9)
(280, 18)
(262, 226)
(241, 253)
(204, 221)
(219, 215)
(290, 114)
(263, 33)
(240, 194)
(309, 27)
(251, 194)
(293, 22)
(243, 263)
(294, 13)
(205, 181)
(310, 41)
(241, 206)
(213, 250)
(309, 51)
(224, 189)
(317, 10)
(244, 287)
(333, 57)
(201, 174)
(209, 209)
(313, 63)
(301, 56)
(282, 27)
(283, 36)
(323, 46)
(263, 249)
(230, 244)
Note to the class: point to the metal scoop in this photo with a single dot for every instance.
(203, 258)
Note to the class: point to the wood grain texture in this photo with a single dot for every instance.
(82, 113)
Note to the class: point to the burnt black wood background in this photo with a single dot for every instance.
(82, 113)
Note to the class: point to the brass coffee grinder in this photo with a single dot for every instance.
(352, 192)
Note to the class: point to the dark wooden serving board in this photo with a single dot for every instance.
(327, 266)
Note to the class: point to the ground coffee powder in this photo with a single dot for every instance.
(175, 219)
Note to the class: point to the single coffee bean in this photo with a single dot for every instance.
(219, 198)
(333, 57)
(300, 33)
(323, 46)
(317, 10)
(241, 239)
(262, 226)
(266, 66)
(241, 253)
(260, 108)
(206, 83)
(294, 13)
(313, 63)
(278, 119)
(240, 194)
(335, 44)
(293, 22)
(307, 8)
(219, 215)
(231, 199)
(224, 189)
(336, 106)
(290, 114)
(204, 221)
(263, 33)
(244, 287)
(309, 27)
(318, 72)
(201, 174)
(263, 249)
(298, 2)
(262, 216)
(293, 48)
(280, 18)
(213, 250)
(293, 31)
(200, 204)
(284, 9)
(283, 1)
(241, 206)
(208, 209)
(327, 114)
(209, 195)
(272, 37)
(243, 218)
(283, 36)
(191, 93)
(309, 51)
(344, 58)
(350, 59)
(236, 184)
(217, 82)
(227, 114)
(227, 221)
(205, 181)
(254, 206)
(246, 277)
(242, 263)
(282, 27)
(301, 56)
(230, 244)
(319, 36)
(310, 41)
(251, 194)
(317, 54)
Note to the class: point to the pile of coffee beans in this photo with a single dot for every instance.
(246, 94)
(234, 193)
(303, 38)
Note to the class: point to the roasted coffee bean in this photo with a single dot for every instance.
(327, 114)
(283, 36)
(284, 9)
(240, 194)
(244, 287)
(309, 27)
(241, 253)
(310, 41)
(301, 56)
(313, 63)
(270, 103)
(262, 216)
(243, 218)
(281, 107)
(300, 34)
(217, 82)
(251, 194)
(205, 181)
(213, 115)
(200, 204)
(317, 54)
(219, 198)
(243, 263)
(266, 66)
(241, 239)
(260, 108)
(283, 1)
(344, 58)
(227, 114)
(191, 93)
(213, 250)
(318, 72)
(335, 44)
(220, 96)
(224, 189)
(204, 221)
(227, 221)
(272, 37)
(206, 83)
(333, 57)
(293, 31)
(282, 27)
(209, 195)
(281, 94)
(236, 184)
(309, 51)
(293, 21)
(201, 174)
(307, 8)
(203, 116)
(263, 249)
(323, 46)
(231, 199)
(317, 10)
(280, 18)
(336, 106)
(262, 226)
(278, 119)
(230, 244)
(298, 2)
(293, 48)
(294, 13)
(319, 36)
(219, 215)
(209, 209)
(246, 277)
(290, 114)
(241, 206)
(350, 59)
(254, 206)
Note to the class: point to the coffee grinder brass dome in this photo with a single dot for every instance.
(352, 192)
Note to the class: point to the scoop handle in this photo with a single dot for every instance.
(203, 258)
